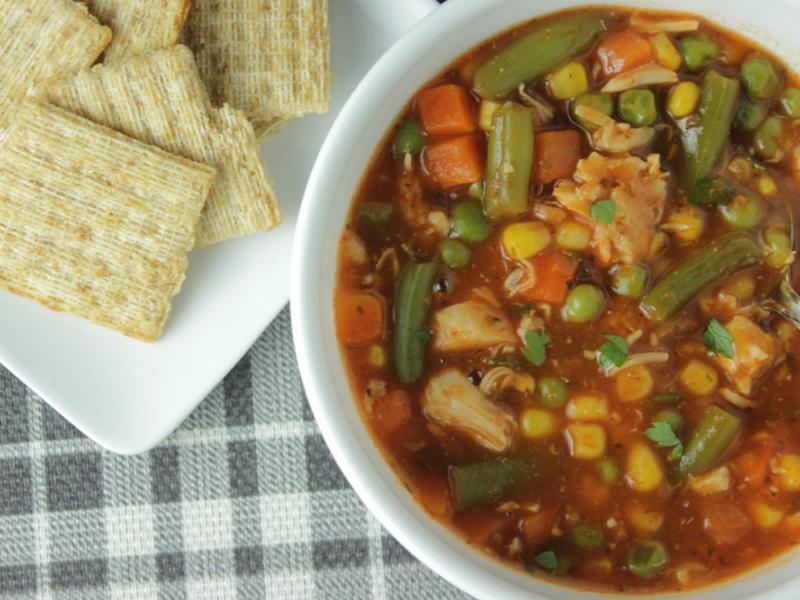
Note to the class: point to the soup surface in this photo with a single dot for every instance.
(550, 300)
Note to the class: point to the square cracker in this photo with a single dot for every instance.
(159, 99)
(140, 25)
(269, 58)
(40, 39)
(93, 222)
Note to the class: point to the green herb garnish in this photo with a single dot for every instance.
(614, 352)
(718, 339)
(662, 434)
(548, 560)
(672, 398)
(535, 349)
(604, 211)
(425, 334)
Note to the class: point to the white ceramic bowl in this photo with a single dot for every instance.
(440, 38)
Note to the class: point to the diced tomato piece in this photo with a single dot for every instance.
(392, 411)
(557, 154)
(433, 492)
(447, 110)
(623, 51)
(360, 317)
(553, 272)
(454, 162)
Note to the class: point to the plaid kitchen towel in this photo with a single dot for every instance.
(242, 501)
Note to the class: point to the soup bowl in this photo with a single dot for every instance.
(421, 53)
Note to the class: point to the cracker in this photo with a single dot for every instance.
(93, 222)
(160, 100)
(41, 39)
(269, 58)
(141, 25)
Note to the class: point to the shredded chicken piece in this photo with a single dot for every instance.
(353, 248)
(439, 221)
(736, 399)
(529, 322)
(470, 325)
(643, 358)
(554, 215)
(487, 295)
(646, 25)
(452, 402)
(755, 351)
(621, 138)
(718, 480)
(646, 75)
(520, 279)
(499, 379)
(596, 117)
(507, 507)
(389, 257)
(376, 388)
(690, 572)
(639, 190)
(543, 111)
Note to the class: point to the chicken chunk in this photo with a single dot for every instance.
(471, 325)
(755, 351)
(639, 191)
(452, 402)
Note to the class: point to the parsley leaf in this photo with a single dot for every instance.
(718, 339)
(536, 347)
(425, 334)
(548, 560)
(604, 211)
(664, 436)
(613, 353)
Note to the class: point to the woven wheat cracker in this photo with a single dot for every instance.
(93, 222)
(141, 25)
(269, 58)
(39, 40)
(159, 99)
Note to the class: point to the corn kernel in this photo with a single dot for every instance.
(573, 235)
(666, 53)
(683, 98)
(766, 186)
(686, 222)
(486, 113)
(644, 470)
(523, 240)
(634, 383)
(699, 378)
(742, 287)
(376, 356)
(568, 82)
(587, 407)
(785, 331)
(764, 515)
(789, 472)
(658, 245)
(645, 522)
(536, 423)
(586, 440)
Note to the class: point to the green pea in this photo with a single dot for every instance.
(600, 102)
(745, 211)
(749, 116)
(588, 536)
(609, 470)
(790, 102)
(760, 79)
(409, 138)
(454, 254)
(698, 51)
(585, 303)
(672, 417)
(647, 559)
(638, 107)
(552, 392)
(630, 281)
(375, 213)
(778, 247)
(770, 138)
(712, 191)
(469, 224)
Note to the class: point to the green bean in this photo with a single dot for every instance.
(673, 418)
(552, 392)
(509, 162)
(609, 470)
(790, 102)
(602, 103)
(749, 116)
(712, 436)
(704, 144)
(719, 259)
(454, 254)
(536, 52)
(746, 211)
(647, 559)
(630, 281)
(585, 302)
(409, 138)
(587, 536)
(638, 107)
(771, 138)
(760, 79)
(468, 223)
(698, 51)
(411, 305)
(489, 480)
(712, 191)
(375, 213)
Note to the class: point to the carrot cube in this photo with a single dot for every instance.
(557, 154)
(360, 317)
(623, 51)
(553, 271)
(456, 161)
(447, 110)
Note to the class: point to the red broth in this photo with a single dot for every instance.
(523, 334)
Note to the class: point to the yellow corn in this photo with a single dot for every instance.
(568, 82)
(789, 472)
(645, 522)
(573, 235)
(376, 356)
(523, 240)
(741, 287)
(586, 440)
(587, 407)
(764, 515)
(683, 98)
(666, 53)
(644, 470)
(634, 383)
(742, 168)
(687, 222)
(658, 245)
(536, 423)
(766, 186)
(486, 113)
(699, 378)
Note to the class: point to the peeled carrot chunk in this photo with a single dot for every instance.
(623, 51)
(557, 154)
(360, 317)
(456, 161)
(553, 272)
(447, 110)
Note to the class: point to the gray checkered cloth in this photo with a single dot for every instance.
(242, 501)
